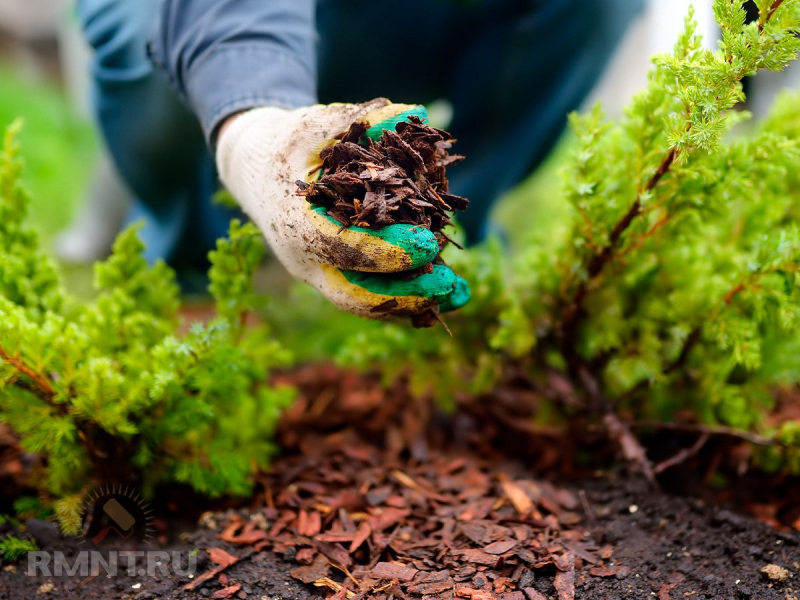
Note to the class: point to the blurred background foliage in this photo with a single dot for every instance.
(60, 146)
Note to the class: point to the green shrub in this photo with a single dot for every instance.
(13, 547)
(109, 391)
(672, 286)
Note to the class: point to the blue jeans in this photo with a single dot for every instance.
(512, 70)
(154, 139)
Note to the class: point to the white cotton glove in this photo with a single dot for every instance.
(260, 156)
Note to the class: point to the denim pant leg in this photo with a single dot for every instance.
(364, 51)
(516, 82)
(512, 70)
(154, 140)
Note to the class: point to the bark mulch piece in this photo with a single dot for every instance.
(452, 526)
(398, 179)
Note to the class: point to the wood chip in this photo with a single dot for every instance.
(361, 535)
(500, 547)
(474, 594)
(313, 572)
(433, 587)
(336, 587)
(220, 557)
(223, 560)
(397, 179)
(385, 570)
(335, 553)
(532, 594)
(227, 592)
(249, 535)
(398, 515)
(478, 557)
(565, 585)
(518, 498)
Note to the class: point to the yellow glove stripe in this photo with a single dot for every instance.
(376, 255)
(387, 112)
(406, 305)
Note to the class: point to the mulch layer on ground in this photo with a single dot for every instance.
(374, 498)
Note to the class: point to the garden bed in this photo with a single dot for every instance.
(391, 500)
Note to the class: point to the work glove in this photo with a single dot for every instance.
(261, 155)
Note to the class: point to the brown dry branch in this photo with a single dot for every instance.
(34, 382)
(632, 449)
(617, 430)
(620, 432)
(773, 7)
(682, 455)
(600, 259)
(688, 345)
(222, 561)
(714, 430)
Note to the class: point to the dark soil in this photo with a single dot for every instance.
(376, 497)
(658, 546)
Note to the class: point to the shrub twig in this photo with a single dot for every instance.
(762, 22)
(716, 430)
(683, 455)
(39, 384)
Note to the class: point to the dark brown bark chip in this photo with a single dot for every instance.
(385, 570)
(432, 587)
(500, 547)
(478, 557)
(565, 585)
(398, 179)
(313, 572)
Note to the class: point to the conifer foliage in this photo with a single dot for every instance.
(672, 289)
(108, 391)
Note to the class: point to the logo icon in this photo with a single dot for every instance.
(113, 513)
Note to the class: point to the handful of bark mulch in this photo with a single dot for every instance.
(399, 179)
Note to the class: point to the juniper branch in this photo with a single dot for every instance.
(39, 383)
(569, 324)
(694, 337)
(567, 328)
(773, 7)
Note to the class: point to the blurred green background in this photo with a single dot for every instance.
(58, 146)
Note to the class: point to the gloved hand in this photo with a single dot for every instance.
(263, 152)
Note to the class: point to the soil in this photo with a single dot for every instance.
(376, 496)
(660, 546)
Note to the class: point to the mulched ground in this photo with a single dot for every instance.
(376, 497)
